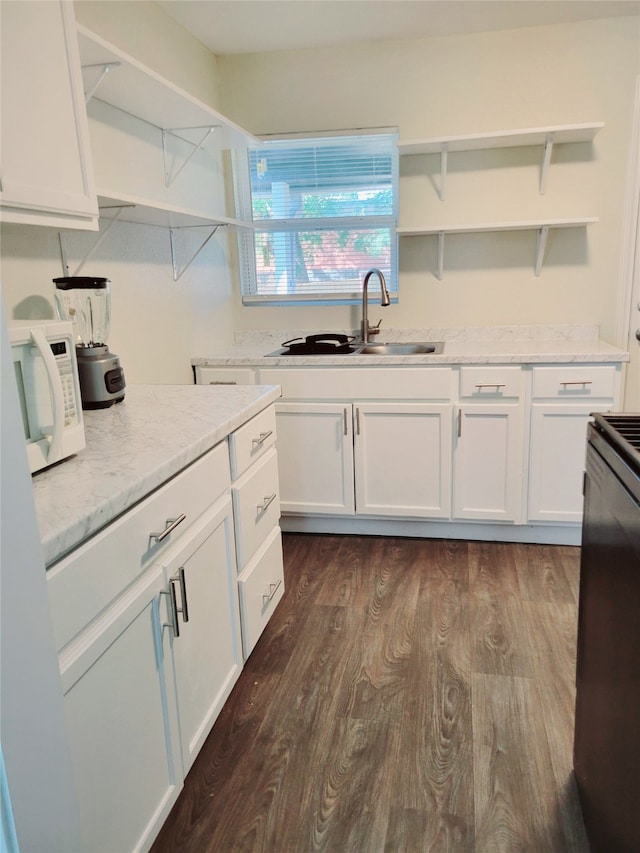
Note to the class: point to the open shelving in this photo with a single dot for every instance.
(123, 82)
(541, 226)
(547, 137)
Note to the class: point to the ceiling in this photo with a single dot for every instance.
(253, 26)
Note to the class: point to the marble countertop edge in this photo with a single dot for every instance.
(132, 450)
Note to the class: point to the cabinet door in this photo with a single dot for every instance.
(208, 648)
(315, 457)
(403, 459)
(488, 472)
(556, 462)
(47, 176)
(119, 699)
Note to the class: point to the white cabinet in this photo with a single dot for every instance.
(146, 618)
(343, 456)
(119, 700)
(205, 623)
(47, 176)
(563, 397)
(256, 507)
(316, 461)
(403, 459)
(488, 463)
(488, 455)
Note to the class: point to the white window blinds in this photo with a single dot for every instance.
(325, 212)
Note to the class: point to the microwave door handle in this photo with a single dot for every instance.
(57, 395)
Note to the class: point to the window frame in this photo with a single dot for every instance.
(246, 243)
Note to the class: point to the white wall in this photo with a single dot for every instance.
(581, 72)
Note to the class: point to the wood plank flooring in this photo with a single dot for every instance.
(408, 696)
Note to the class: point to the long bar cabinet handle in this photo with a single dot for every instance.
(175, 627)
(346, 424)
(273, 588)
(171, 525)
(179, 578)
(266, 503)
(577, 382)
(262, 438)
(495, 385)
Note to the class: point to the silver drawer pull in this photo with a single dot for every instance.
(263, 437)
(577, 382)
(266, 503)
(273, 588)
(171, 525)
(173, 580)
(495, 385)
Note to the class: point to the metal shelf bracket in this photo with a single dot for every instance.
(541, 244)
(440, 270)
(96, 245)
(444, 155)
(178, 272)
(170, 177)
(546, 159)
(105, 69)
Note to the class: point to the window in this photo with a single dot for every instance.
(324, 211)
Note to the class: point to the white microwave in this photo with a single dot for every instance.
(46, 370)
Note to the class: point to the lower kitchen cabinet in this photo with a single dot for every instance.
(204, 623)
(316, 461)
(488, 473)
(147, 665)
(556, 462)
(390, 459)
(403, 459)
(120, 707)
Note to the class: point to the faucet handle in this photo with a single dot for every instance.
(375, 330)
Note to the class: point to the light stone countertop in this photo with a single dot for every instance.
(475, 345)
(133, 448)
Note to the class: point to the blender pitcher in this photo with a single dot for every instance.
(86, 301)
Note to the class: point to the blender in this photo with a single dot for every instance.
(86, 301)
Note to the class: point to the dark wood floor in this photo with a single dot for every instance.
(407, 696)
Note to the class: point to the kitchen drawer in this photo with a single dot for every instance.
(261, 586)
(251, 441)
(481, 383)
(85, 582)
(362, 383)
(256, 506)
(573, 380)
(225, 376)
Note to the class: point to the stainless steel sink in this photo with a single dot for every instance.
(419, 348)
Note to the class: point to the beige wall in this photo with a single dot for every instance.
(572, 73)
(157, 324)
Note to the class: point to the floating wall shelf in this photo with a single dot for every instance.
(541, 226)
(143, 212)
(545, 136)
(136, 89)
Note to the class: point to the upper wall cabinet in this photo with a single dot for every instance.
(47, 176)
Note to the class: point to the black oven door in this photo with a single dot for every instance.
(607, 728)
